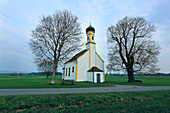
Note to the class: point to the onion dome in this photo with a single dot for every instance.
(90, 28)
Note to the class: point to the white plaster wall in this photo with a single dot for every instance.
(72, 74)
(83, 67)
(101, 77)
(87, 46)
(90, 76)
(99, 63)
(92, 49)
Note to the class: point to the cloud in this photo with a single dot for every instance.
(16, 61)
(18, 18)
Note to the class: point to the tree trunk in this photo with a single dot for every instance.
(53, 75)
(47, 74)
(130, 75)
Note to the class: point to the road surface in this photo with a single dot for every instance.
(44, 91)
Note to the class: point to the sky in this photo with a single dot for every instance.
(19, 17)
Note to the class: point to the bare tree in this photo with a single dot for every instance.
(45, 66)
(56, 38)
(131, 47)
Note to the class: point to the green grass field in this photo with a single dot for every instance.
(42, 82)
(146, 80)
(150, 101)
(131, 102)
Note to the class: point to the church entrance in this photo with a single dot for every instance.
(98, 77)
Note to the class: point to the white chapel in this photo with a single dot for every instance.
(86, 65)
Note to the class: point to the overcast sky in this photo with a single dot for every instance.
(19, 17)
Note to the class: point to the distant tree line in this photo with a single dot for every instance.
(31, 74)
(157, 74)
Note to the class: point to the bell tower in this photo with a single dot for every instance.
(91, 45)
(90, 32)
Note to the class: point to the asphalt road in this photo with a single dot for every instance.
(44, 91)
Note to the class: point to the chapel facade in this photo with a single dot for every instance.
(86, 65)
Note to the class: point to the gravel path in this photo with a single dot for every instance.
(44, 91)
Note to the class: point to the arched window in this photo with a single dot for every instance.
(92, 37)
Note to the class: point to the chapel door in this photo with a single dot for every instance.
(98, 77)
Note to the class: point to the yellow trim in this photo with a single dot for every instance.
(69, 62)
(90, 31)
(99, 57)
(90, 42)
(103, 65)
(76, 69)
(89, 57)
(90, 37)
(82, 55)
(77, 65)
(103, 71)
(95, 55)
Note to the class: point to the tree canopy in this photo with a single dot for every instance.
(55, 38)
(132, 48)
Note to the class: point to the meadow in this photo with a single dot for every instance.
(127, 102)
(136, 102)
(146, 80)
(42, 82)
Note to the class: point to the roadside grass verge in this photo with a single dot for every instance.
(136, 102)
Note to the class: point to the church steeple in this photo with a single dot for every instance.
(91, 45)
(90, 31)
(90, 28)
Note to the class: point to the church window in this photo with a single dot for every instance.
(92, 37)
(69, 72)
(66, 71)
(73, 69)
(87, 37)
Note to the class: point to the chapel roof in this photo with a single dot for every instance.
(95, 69)
(77, 55)
(90, 28)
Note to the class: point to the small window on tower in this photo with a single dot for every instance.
(92, 37)
(88, 38)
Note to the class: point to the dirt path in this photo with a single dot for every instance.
(44, 91)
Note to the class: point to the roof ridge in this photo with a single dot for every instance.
(95, 69)
(76, 55)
